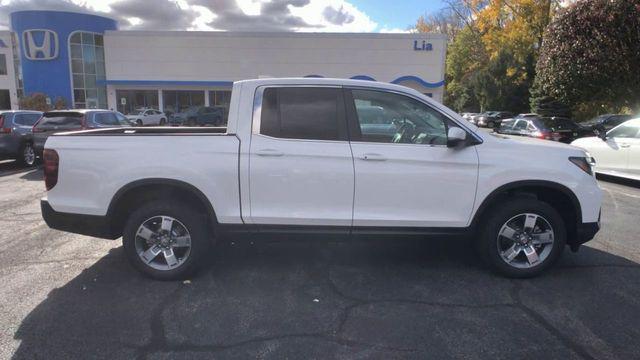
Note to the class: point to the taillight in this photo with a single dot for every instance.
(50, 159)
(2, 129)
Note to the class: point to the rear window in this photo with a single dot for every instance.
(26, 119)
(66, 119)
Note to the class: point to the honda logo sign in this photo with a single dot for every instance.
(40, 44)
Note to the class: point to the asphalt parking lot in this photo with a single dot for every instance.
(71, 296)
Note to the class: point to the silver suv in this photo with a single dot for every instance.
(15, 132)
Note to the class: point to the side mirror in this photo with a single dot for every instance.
(602, 135)
(455, 136)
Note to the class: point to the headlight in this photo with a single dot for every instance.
(585, 163)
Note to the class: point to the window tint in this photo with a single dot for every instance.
(26, 119)
(3, 64)
(302, 113)
(521, 125)
(394, 118)
(625, 131)
(507, 124)
(67, 119)
(106, 118)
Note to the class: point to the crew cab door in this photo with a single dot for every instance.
(405, 175)
(300, 162)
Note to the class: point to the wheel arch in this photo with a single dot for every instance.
(557, 195)
(137, 192)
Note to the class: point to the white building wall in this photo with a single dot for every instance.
(134, 56)
(8, 81)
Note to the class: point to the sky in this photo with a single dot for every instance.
(243, 15)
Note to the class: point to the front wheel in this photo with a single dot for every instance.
(163, 122)
(27, 155)
(522, 237)
(166, 240)
(139, 122)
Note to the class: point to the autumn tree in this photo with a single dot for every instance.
(590, 57)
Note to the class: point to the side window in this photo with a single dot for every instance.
(530, 127)
(393, 118)
(625, 131)
(507, 125)
(26, 119)
(106, 118)
(521, 125)
(303, 113)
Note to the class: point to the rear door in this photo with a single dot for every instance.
(300, 163)
(408, 177)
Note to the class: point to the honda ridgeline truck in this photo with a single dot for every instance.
(321, 155)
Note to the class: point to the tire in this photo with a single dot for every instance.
(491, 125)
(495, 248)
(27, 155)
(186, 260)
(163, 122)
(139, 122)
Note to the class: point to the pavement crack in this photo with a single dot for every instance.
(544, 323)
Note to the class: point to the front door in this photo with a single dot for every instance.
(300, 163)
(405, 175)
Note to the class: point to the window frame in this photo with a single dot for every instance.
(343, 133)
(5, 67)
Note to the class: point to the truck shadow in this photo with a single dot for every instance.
(9, 167)
(325, 299)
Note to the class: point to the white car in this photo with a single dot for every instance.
(145, 117)
(331, 156)
(617, 152)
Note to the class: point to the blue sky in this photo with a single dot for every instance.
(396, 14)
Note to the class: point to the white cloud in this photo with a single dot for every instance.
(394, 30)
(244, 15)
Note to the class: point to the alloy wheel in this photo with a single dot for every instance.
(163, 243)
(525, 241)
(29, 155)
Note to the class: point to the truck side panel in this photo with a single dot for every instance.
(93, 168)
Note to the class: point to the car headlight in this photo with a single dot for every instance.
(585, 163)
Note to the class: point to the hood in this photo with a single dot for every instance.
(534, 144)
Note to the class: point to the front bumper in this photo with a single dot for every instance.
(91, 225)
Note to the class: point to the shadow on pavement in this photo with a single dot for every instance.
(342, 299)
(9, 167)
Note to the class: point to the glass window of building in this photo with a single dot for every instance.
(132, 101)
(3, 64)
(221, 99)
(87, 66)
(177, 101)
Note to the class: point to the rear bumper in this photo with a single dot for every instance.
(91, 225)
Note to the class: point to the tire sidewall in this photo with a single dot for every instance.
(488, 247)
(21, 157)
(194, 222)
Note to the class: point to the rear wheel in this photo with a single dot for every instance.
(27, 156)
(163, 122)
(522, 237)
(166, 240)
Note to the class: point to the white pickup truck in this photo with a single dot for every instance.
(328, 156)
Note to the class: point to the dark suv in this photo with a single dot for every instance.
(606, 122)
(492, 119)
(69, 120)
(199, 116)
(549, 128)
(15, 130)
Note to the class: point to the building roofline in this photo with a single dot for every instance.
(405, 36)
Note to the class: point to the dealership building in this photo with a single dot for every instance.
(85, 61)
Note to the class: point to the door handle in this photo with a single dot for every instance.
(625, 145)
(269, 152)
(373, 157)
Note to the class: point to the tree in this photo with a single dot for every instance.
(590, 56)
(35, 101)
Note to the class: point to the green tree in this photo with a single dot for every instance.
(590, 57)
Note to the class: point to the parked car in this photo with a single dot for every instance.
(144, 117)
(492, 119)
(199, 116)
(70, 120)
(468, 116)
(15, 129)
(295, 157)
(547, 128)
(616, 152)
(606, 122)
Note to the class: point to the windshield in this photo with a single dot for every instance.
(627, 130)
